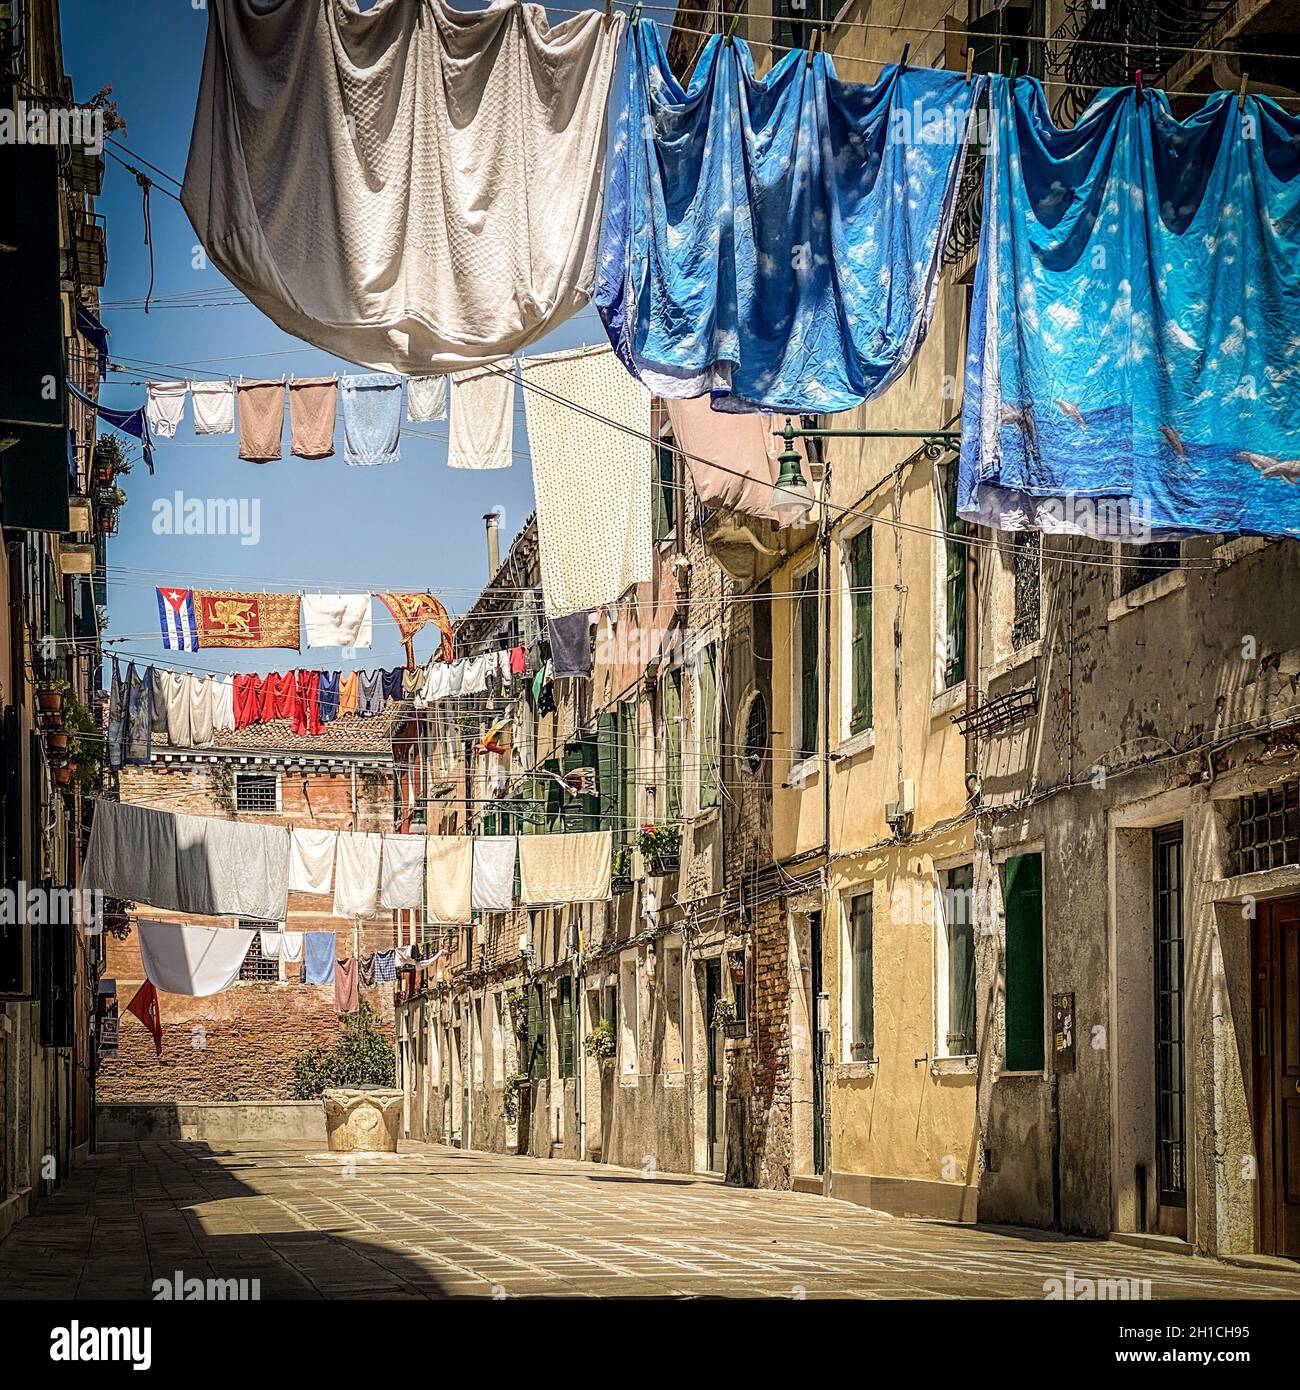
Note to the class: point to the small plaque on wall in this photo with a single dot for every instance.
(1063, 1032)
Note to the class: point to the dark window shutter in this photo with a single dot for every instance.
(860, 580)
(955, 583)
(809, 642)
(707, 714)
(607, 771)
(566, 1025)
(539, 1032)
(1023, 895)
(673, 744)
(863, 1035)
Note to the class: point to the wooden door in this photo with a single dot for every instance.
(1277, 1074)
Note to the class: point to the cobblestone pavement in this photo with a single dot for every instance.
(433, 1222)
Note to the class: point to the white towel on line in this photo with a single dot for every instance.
(192, 960)
(401, 882)
(311, 859)
(223, 704)
(337, 620)
(493, 887)
(449, 867)
(214, 406)
(201, 709)
(291, 946)
(482, 429)
(356, 875)
(426, 398)
(165, 406)
(565, 868)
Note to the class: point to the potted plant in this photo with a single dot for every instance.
(601, 1044)
(621, 875)
(110, 498)
(63, 774)
(660, 845)
(49, 696)
(724, 1018)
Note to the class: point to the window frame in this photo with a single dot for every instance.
(674, 799)
(848, 978)
(850, 727)
(1026, 851)
(943, 1000)
(946, 552)
(706, 735)
(628, 1004)
(804, 759)
(273, 775)
(255, 924)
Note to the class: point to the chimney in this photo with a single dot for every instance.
(492, 522)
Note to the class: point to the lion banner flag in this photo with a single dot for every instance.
(247, 620)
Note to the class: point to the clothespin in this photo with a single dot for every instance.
(1011, 76)
(1137, 82)
(732, 27)
(636, 13)
(609, 13)
(1241, 92)
(970, 62)
(907, 48)
(814, 46)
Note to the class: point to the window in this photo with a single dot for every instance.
(1141, 564)
(478, 1041)
(564, 1025)
(954, 590)
(1022, 894)
(1266, 831)
(707, 718)
(672, 721)
(1026, 574)
(257, 791)
(753, 734)
(538, 1034)
(955, 958)
(807, 693)
(500, 1034)
(256, 966)
(1171, 1170)
(858, 994)
(671, 991)
(857, 578)
(665, 492)
(629, 1014)
(627, 736)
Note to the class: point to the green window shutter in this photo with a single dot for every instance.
(538, 1034)
(628, 752)
(860, 580)
(955, 583)
(555, 796)
(665, 506)
(958, 923)
(566, 1025)
(607, 771)
(809, 644)
(863, 1017)
(673, 744)
(708, 716)
(1023, 896)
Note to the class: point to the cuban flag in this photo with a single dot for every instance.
(176, 615)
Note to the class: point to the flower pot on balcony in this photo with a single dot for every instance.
(64, 774)
(49, 701)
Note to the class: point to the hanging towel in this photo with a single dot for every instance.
(214, 406)
(777, 241)
(139, 715)
(368, 970)
(191, 960)
(261, 420)
(349, 689)
(291, 946)
(426, 398)
(448, 875)
(117, 697)
(494, 873)
(413, 679)
(318, 958)
(401, 881)
(482, 429)
(242, 869)
(372, 418)
(1131, 362)
(306, 711)
(592, 481)
(165, 407)
(386, 966)
(223, 704)
(356, 875)
(313, 402)
(248, 700)
(157, 701)
(311, 859)
(328, 696)
(347, 998)
(571, 643)
(337, 620)
(268, 942)
(132, 855)
(176, 693)
(565, 868)
(459, 227)
(201, 712)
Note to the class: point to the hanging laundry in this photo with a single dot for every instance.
(449, 864)
(412, 611)
(201, 717)
(132, 854)
(157, 702)
(248, 700)
(261, 420)
(117, 697)
(482, 429)
(94, 332)
(401, 882)
(372, 418)
(139, 715)
(306, 715)
(518, 661)
(223, 704)
(391, 683)
(426, 398)
(349, 688)
(347, 999)
(176, 692)
(328, 696)
(176, 618)
(356, 875)
(318, 958)
(311, 859)
(230, 619)
(485, 174)
(214, 406)
(268, 942)
(592, 478)
(412, 682)
(370, 693)
(572, 868)
(232, 868)
(144, 1005)
(493, 887)
(1132, 346)
(733, 459)
(130, 422)
(473, 674)
(279, 694)
(165, 406)
(777, 241)
(337, 620)
(368, 970)
(386, 966)
(571, 644)
(291, 946)
(191, 960)
(313, 402)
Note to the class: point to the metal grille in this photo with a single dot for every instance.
(1267, 832)
(1163, 555)
(755, 737)
(1026, 569)
(964, 233)
(256, 966)
(1171, 1171)
(256, 792)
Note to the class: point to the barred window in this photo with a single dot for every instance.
(1026, 571)
(256, 966)
(1266, 834)
(257, 791)
(1141, 564)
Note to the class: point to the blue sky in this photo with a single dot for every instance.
(415, 524)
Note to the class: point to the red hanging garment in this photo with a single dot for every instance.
(246, 701)
(306, 703)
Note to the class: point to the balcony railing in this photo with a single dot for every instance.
(91, 244)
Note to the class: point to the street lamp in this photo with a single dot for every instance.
(791, 493)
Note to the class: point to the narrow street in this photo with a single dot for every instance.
(433, 1222)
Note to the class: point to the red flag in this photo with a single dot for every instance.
(145, 1007)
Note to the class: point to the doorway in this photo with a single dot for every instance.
(1275, 959)
(818, 1045)
(713, 1054)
